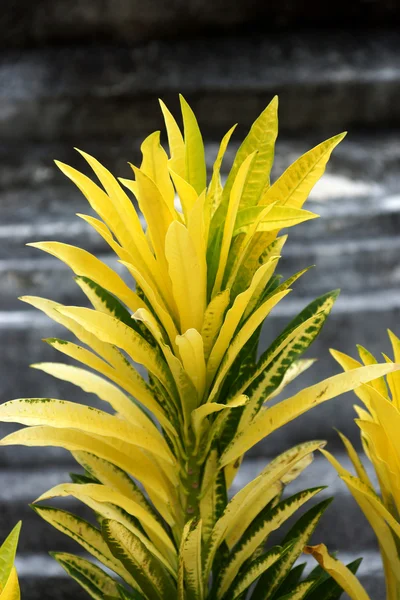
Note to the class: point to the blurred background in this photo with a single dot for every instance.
(88, 73)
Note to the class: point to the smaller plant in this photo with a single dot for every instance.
(9, 586)
(379, 423)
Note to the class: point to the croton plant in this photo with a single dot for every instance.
(173, 349)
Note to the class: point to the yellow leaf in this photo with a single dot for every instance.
(185, 272)
(158, 217)
(159, 304)
(374, 500)
(277, 217)
(198, 233)
(106, 234)
(263, 247)
(261, 139)
(187, 194)
(85, 264)
(293, 187)
(129, 379)
(205, 410)
(63, 414)
(357, 464)
(11, 590)
(233, 207)
(267, 525)
(132, 553)
(214, 192)
(241, 338)
(379, 449)
(142, 467)
(106, 391)
(195, 164)
(231, 322)
(103, 494)
(290, 464)
(348, 363)
(191, 351)
(394, 378)
(155, 166)
(263, 134)
(52, 310)
(185, 387)
(175, 141)
(213, 319)
(338, 571)
(368, 359)
(240, 252)
(268, 420)
(112, 331)
(120, 200)
(87, 536)
(131, 238)
(280, 471)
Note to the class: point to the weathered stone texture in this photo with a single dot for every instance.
(24, 23)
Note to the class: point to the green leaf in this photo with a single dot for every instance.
(105, 472)
(245, 361)
(299, 535)
(213, 252)
(294, 185)
(191, 552)
(84, 534)
(261, 139)
(299, 592)
(252, 571)
(129, 595)
(213, 496)
(151, 576)
(93, 579)
(294, 340)
(263, 247)
(7, 555)
(268, 520)
(290, 581)
(106, 302)
(81, 478)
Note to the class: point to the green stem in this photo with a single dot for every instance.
(191, 485)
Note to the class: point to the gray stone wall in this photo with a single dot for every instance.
(25, 23)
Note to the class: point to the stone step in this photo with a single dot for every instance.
(351, 265)
(41, 578)
(362, 159)
(325, 80)
(342, 220)
(366, 162)
(358, 318)
(47, 23)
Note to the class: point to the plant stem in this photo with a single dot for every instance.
(192, 487)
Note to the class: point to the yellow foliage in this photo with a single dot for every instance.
(202, 258)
